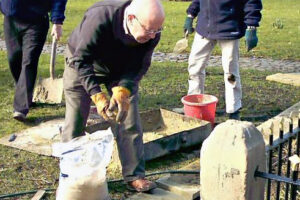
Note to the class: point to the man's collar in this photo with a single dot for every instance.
(125, 22)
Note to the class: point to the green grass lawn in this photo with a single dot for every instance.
(273, 42)
(163, 86)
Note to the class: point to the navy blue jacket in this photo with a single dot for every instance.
(225, 19)
(34, 10)
(101, 50)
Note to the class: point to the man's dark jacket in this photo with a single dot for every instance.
(225, 19)
(34, 10)
(100, 49)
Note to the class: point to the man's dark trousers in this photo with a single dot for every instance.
(24, 42)
(129, 135)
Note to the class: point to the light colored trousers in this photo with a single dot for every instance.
(198, 60)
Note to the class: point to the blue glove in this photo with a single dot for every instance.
(251, 39)
(188, 25)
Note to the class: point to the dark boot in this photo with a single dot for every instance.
(235, 115)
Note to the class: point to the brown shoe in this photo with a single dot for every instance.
(141, 185)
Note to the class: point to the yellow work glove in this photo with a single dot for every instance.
(119, 104)
(101, 103)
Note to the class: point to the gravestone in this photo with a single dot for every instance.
(229, 158)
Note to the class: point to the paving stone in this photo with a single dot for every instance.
(164, 132)
(156, 194)
(185, 185)
(287, 78)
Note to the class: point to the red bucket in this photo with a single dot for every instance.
(201, 106)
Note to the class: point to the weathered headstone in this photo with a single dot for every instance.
(229, 158)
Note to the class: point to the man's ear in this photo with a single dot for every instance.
(130, 18)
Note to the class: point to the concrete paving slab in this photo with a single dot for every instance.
(164, 132)
(37, 139)
(185, 185)
(156, 194)
(286, 78)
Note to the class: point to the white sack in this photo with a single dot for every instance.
(83, 163)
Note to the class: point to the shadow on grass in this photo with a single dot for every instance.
(34, 121)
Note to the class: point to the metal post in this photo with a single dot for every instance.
(295, 161)
(280, 157)
(270, 156)
(298, 137)
(288, 168)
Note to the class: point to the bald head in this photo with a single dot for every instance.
(147, 10)
(147, 14)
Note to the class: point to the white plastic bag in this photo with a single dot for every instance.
(83, 162)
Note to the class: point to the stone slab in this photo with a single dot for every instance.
(163, 146)
(156, 194)
(170, 132)
(286, 78)
(287, 112)
(185, 185)
(276, 121)
(164, 132)
(38, 139)
(39, 195)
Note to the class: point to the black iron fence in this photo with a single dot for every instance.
(283, 160)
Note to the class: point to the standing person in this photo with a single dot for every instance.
(26, 25)
(113, 46)
(221, 22)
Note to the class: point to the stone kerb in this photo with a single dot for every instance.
(229, 158)
(274, 124)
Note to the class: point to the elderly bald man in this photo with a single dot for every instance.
(113, 46)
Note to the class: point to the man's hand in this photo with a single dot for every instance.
(188, 25)
(56, 31)
(119, 103)
(251, 38)
(101, 103)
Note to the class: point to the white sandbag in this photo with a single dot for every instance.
(83, 163)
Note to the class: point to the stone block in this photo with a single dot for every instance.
(276, 121)
(156, 194)
(229, 158)
(286, 78)
(185, 185)
(164, 132)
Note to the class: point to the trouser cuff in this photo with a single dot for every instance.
(133, 178)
